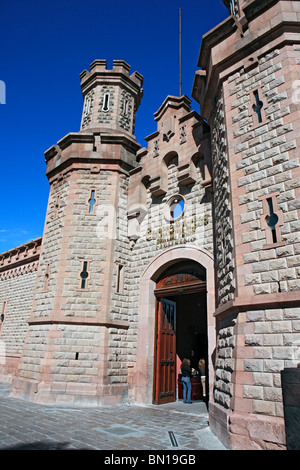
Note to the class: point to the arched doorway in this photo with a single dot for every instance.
(143, 382)
(180, 329)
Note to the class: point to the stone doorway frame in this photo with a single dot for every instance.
(144, 367)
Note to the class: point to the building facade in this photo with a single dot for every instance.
(187, 248)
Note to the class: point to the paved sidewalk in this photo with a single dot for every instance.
(29, 426)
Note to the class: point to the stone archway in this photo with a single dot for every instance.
(144, 367)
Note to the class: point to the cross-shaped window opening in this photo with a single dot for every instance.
(257, 107)
(84, 275)
(272, 219)
(92, 202)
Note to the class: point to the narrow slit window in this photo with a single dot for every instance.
(120, 278)
(56, 207)
(125, 107)
(105, 106)
(272, 219)
(46, 278)
(84, 275)
(88, 106)
(92, 202)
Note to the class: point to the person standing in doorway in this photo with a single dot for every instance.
(186, 373)
(201, 366)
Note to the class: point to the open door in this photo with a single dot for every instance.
(165, 380)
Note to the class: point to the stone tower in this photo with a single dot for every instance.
(248, 90)
(111, 98)
(78, 318)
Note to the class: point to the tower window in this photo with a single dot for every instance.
(92, 202)
(120, 278)
(56, 207)
(84, 275)
(46, 277)
(105, 106)
(258, 106)
(88, 106)
(125, 107)
(272, 219)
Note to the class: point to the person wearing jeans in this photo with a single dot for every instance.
(186, 373)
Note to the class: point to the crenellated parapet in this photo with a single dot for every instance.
(20, 260)
(111, 97)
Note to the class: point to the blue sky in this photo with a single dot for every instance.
(44, 48)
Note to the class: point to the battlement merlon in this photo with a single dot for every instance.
(98, 69)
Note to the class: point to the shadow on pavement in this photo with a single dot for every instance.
(39, 445)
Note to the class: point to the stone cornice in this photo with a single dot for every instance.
(90, 138)
(91, 148)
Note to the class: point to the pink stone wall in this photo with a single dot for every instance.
(18, 269)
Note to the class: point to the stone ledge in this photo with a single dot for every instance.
(240, 304)
(80, 321)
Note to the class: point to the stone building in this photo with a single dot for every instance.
(187, 248)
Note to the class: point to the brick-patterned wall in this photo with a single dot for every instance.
(273, 345)
(50, 257)
(73, 363)
(262, 161)
(267, 163)
(258, 348)
(17, 289)
(18, 271)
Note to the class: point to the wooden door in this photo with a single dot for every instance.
(165, 383)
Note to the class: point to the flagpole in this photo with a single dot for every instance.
(180, 83)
